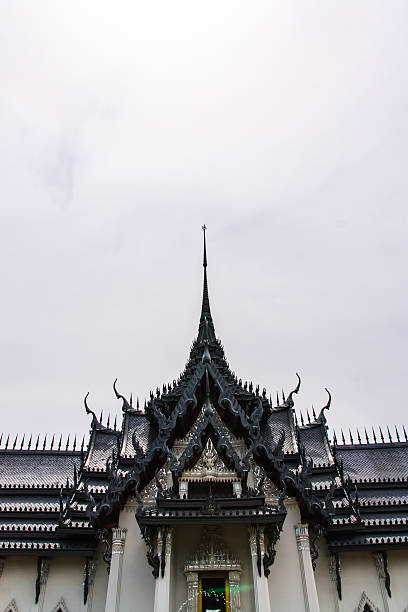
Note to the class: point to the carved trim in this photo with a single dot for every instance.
(103, 536)
(315, 532)
(272, 533)
(212, 554)
(302, 537)
(149, 535)
(256, 544)
(335, 572)
(89, 576)
(61, 606)
(118, 540)
(11, 607)
(381, 564)
(43, 568)
(364, 600)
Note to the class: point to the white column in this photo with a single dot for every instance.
(261, 590)
(115, 573)
(162, 586)
(306, 568)
(192, 591)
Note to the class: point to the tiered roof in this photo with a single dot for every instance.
(65, 500)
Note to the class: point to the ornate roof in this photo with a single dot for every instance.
(357, 493)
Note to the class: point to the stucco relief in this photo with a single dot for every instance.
(12, 607)
(365, 601)
(209, 468)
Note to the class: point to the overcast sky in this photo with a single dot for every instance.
(127, 125)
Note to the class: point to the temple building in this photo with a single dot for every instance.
(210, 498)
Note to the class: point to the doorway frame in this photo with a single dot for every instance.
(213, 574)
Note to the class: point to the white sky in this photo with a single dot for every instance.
(127, 125)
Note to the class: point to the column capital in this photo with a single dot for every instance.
(302, 536)
(118, 539)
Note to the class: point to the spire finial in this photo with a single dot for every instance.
(204, 228)
(206, 328)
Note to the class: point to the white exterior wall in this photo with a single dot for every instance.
(65, 580)
(358, 574)
(137, 584)
(398, 568)
(18, 582)
(285, 580)
(100, 585)
(326, 588)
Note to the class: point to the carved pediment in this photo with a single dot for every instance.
(209, 467)
(212, 554)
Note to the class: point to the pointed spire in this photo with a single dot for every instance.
(29, 442)
(366, 435)
(334, 438)
(389, 433)
(397, 434)
(405, 433)
(22, 442)
(59, 443)
(358, 436)
(67, 444)
(206, 329)
(342, 437)
(374, 436)
(382, 435)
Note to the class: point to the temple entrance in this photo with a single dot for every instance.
(213, 593)
(213, 576)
